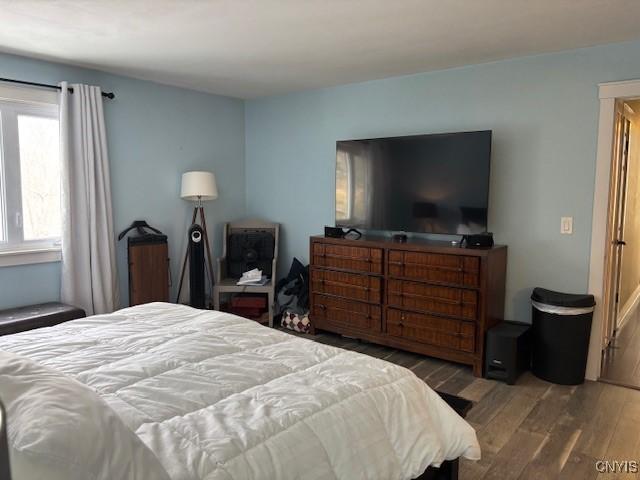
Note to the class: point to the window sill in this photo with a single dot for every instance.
(10, 258)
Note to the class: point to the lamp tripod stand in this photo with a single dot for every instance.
(197, 210)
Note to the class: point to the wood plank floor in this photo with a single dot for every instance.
(622, 361)
(534, 429)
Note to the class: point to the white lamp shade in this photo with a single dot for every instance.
(199, 186)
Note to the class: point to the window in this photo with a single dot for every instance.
(343, 186)
(30, 212)
(353, 176)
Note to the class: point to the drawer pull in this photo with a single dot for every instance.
(437, 267)
(429, 297)
(426, 265)
(347, 257)
(345, 285)
(346, 310)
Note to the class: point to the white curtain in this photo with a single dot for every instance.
(89, 278)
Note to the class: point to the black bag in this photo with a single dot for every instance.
(292, 292)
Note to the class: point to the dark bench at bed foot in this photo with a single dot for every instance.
(459, 404)
(449, 469)
(21, 319)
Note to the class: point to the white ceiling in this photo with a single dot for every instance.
(252, 48)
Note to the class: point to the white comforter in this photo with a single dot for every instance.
(216, 396)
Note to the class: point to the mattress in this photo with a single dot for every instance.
(218, 397)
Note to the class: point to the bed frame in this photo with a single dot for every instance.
(449, 468)
(447, 471)
(5, 471)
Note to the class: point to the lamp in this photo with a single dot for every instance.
(198, 186)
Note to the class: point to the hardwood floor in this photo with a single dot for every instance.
(534, 429)
(622, 361)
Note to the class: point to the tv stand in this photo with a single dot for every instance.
(424, 296)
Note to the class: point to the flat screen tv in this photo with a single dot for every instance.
(422, 183)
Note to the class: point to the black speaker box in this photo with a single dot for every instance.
(479, 240)
(333, 232)
(508, 351)
(196, 266)
(246, 251)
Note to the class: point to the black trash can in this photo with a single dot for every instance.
(560, 334)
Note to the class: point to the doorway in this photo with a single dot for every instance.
(621, 332)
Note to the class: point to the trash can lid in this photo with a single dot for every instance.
(559, 299)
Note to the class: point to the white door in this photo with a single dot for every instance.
(617, 207)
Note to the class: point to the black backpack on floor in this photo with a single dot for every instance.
(292, 292)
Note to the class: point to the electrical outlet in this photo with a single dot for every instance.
(566, 225)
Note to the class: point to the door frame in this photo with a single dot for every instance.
(608, 93)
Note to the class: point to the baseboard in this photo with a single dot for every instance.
(628, 308)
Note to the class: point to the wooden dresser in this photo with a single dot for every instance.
(422, 296)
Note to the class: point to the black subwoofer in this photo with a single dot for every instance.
(508, 351)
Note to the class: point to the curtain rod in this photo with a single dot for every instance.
(108, 95)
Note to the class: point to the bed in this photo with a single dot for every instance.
(168, 391)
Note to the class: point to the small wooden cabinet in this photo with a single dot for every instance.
(423, 296)
(148, 272)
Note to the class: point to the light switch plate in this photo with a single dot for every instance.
(566, 225)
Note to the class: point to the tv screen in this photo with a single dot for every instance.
(424, 183)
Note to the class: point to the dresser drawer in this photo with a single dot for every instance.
(435, 267)
(345, 314)
(438, 331)
(365, 288)
(359, 259)
(455, 302)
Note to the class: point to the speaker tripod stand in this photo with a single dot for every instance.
(198, 210)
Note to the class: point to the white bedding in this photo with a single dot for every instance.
(216, 396)
(61, 430)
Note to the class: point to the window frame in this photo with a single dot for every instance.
(14, 250)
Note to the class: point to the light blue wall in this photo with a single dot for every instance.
(155, 133)
(543, 111)
(29, 284)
